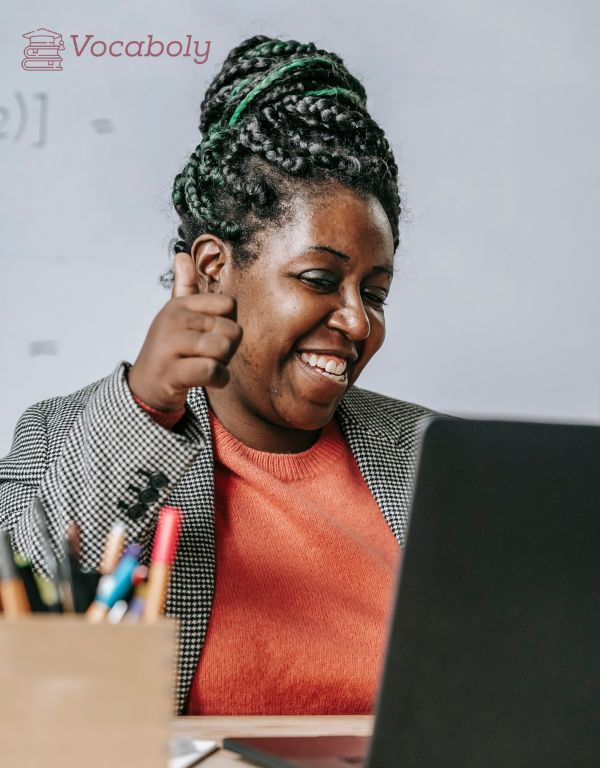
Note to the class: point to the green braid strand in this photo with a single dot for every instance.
(275, 74)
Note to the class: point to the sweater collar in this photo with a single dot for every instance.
(354, 411)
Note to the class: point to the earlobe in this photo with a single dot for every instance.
(209, 254)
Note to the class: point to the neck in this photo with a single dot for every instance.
(252, 430)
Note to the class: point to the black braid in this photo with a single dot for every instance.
(263, 139)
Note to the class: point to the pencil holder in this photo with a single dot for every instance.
(73, 694)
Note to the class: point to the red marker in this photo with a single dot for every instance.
(163, 557)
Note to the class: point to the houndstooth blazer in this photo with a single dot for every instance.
(95, 456)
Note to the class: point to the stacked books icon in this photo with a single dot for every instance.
(42, 51)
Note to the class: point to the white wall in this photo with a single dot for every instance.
(492, 108)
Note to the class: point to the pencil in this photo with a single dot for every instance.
(113, 548)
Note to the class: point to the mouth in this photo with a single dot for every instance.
(329, 369)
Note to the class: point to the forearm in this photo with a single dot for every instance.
(105, 468)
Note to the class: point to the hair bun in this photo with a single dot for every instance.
(277, 114)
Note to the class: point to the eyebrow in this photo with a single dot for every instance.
(345, 258)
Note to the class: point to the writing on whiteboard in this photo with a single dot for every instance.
(15, 124)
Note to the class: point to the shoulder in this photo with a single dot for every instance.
(73, 401)
(42, 427)
(57, 413)
(398, 421)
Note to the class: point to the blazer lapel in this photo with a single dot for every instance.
(384, 458)
(193, 579)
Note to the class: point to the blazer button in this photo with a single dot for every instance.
(158, 480)
(135, 511)
(148, 496)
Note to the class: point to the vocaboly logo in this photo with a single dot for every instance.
(42, 52)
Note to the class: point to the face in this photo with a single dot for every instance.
(311, 306)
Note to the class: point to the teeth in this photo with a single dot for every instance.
(328, 365)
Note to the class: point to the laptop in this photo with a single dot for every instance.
(493, 655)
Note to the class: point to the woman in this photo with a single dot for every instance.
(241, 409)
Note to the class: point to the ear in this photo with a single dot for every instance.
(210, 255)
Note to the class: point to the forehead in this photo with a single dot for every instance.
(338, 217)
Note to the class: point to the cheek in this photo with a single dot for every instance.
(377, 319)
(268, 323)
(377, 335)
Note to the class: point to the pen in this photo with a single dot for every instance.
(163, 556)
(114, 586)
(59, 569)
(50, 561)
(139, 575)
(29, 582)
(66, 579)
(48, 593)
(74, 541)
(12, 589)
(136, 606)
(117, 612)
(87, 587)
(113, 548)
(83, 583)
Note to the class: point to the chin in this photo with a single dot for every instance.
(310, 416)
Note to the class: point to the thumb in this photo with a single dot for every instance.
(185, 281)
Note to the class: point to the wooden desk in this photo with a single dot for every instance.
(217, 728)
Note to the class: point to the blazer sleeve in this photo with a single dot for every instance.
(92, 458)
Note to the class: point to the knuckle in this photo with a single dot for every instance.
(224, 345)
(217, 374)
(211, 366)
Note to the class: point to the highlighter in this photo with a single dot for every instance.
(115, 586)
(163, 557)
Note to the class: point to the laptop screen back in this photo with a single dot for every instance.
(494, 652)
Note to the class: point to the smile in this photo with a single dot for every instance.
(330, 368)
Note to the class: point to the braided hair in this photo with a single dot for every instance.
(279, 118)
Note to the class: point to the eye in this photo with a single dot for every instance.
(377, 298)
(323, 281)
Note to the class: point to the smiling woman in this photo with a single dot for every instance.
(311, 303)
(294, 483)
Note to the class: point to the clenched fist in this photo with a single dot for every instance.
(189, 343)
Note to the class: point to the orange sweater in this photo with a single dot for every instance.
(305, 569)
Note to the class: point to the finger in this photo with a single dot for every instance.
(222, 326)
(217, 346)
(201, 372)
(185, 282)
(211, 303)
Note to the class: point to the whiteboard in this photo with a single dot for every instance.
(492, 109)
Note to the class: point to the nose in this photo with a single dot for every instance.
(350, 317)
